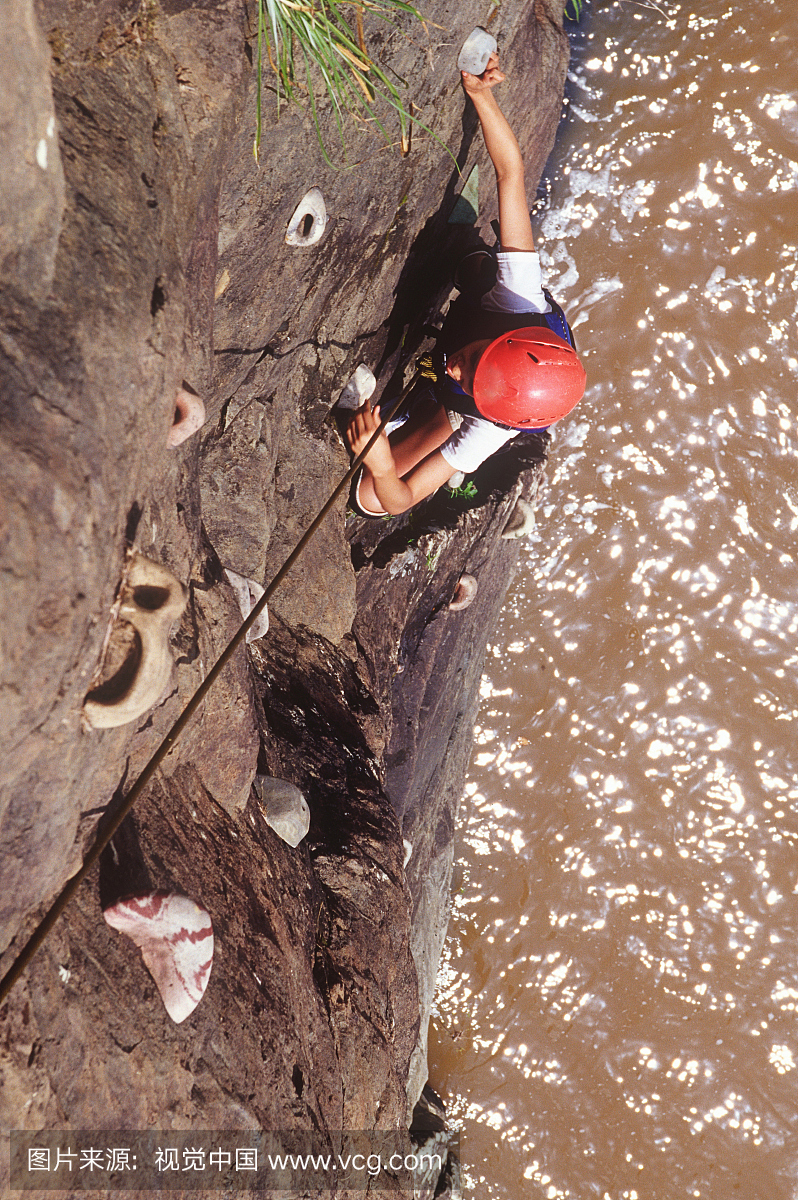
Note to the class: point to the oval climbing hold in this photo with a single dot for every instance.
(308, 221)
(284, 808)
(521, 522)
(248, 592)
(464, 594)
(189, 417)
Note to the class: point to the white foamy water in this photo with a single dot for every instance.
(617, 1006)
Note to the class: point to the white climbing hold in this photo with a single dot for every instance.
(465, 592)
(521, 522)
(248, 593)
(408, 849)
(456, 480)
(476, 51)
(359, 388)
(284, 808)
(175, 937)
(151, 601)
(189, 417)
(309, 220)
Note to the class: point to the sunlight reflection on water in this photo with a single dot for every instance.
(616, 1009)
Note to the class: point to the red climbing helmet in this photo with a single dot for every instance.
(528, 378)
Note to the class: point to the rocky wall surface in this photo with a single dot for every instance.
(147, 253)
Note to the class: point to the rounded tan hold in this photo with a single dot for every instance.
(464, 593)
(189, 417)
(138, 663)
(521, 522)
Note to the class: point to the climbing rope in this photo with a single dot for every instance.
(114, 820)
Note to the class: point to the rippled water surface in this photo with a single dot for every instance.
(617, 1006)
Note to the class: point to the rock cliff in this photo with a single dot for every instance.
(143, 253)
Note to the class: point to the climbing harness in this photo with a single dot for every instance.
(109, 828)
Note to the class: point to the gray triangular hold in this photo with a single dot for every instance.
(466, 208)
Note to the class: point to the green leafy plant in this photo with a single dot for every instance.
(303, 38)
(573, 9)
(432, 558)
(467, 492)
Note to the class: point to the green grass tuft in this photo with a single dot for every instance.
(303, 39)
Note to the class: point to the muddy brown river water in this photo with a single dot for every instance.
(617, 1010)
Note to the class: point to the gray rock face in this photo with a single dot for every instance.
(156, 261)
(88, 378)
(32, 179)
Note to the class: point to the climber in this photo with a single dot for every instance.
(505, 358)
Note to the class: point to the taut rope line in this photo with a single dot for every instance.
(103, 838)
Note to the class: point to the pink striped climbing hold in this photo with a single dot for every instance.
(175, 937)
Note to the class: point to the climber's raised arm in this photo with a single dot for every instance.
(514, 223)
